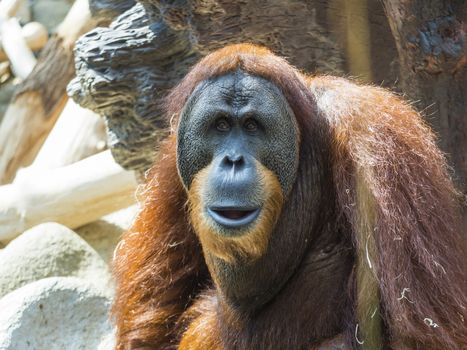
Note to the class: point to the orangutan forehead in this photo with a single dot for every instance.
(238, 86)
(237, 90)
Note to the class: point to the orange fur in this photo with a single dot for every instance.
(201, 329)
(380, 148)
(157, 262)
(419, 258)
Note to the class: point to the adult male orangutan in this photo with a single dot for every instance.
(288, 211)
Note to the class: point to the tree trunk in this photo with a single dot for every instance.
(431, 43)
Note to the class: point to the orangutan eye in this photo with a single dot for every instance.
(250, 125)
(222, 125)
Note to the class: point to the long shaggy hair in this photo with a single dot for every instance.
(391, 185)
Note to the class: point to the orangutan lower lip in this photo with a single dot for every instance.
(233, 217)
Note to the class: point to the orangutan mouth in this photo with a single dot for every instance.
(233, 217)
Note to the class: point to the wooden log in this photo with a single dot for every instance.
(77, 134)
(73, 195)
(18, 52)
(34, 34)
(40, 99)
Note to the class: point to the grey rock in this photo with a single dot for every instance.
(56, 313)
(49, 250)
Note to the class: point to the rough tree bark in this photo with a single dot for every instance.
(431, 43)
(124, 71)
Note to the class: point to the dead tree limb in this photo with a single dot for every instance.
(40, 99)
(78, 133)
(73, 195)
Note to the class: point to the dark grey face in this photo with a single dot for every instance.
(232, 123)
